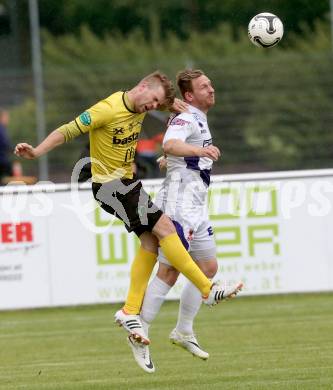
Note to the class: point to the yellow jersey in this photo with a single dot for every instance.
(114, 128)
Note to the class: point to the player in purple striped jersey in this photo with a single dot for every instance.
(183, 197)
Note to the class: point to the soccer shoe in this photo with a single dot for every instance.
(188, 342)
(132, 323)
(141, 354)
(219, 293)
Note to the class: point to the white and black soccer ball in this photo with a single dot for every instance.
(265, 30)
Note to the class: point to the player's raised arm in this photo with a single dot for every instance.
(27, 151)
(95, 117)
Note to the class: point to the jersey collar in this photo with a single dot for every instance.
(201, 115)
(129, 106)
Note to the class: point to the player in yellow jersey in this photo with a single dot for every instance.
(114, 125)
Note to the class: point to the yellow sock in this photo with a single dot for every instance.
(179, 258)
(141, 270)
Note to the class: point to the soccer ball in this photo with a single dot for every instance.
(265, 30)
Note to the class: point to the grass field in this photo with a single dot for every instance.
(271, 342)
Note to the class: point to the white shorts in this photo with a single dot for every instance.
(201, 243)
(183, 197)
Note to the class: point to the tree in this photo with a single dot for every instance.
(180, 17)
(273, 107)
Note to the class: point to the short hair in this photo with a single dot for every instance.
(160, 78)
(184, 79)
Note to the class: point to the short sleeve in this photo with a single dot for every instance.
(179, 127)
(95, 117)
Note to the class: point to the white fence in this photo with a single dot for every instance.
(274, 231)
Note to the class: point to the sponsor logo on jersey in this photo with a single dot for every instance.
(197, 117)
(179, 122)
(126, 140)
(203, 131)
(118, 130)
(133, 125)
(85, 118)
(130, 154)
(207, 142)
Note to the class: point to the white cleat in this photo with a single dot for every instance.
(141, 355)
(188, 342)
(133, 325)
(220, 293)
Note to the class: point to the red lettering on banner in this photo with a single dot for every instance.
(7, 232)
(24, 232)
(20, 232)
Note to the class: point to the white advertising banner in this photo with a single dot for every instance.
(273, 231)
(24, 254)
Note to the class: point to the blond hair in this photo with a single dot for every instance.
(184, 79)
(159, 78)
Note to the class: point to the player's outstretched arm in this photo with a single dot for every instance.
(27, 151)
(177, 147)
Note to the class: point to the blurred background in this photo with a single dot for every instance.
(274, 106)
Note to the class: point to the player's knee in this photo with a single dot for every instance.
(149, 242)
(211, 272)
(169, 275)
(163, 227)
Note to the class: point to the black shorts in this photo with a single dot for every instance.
(127, 200)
